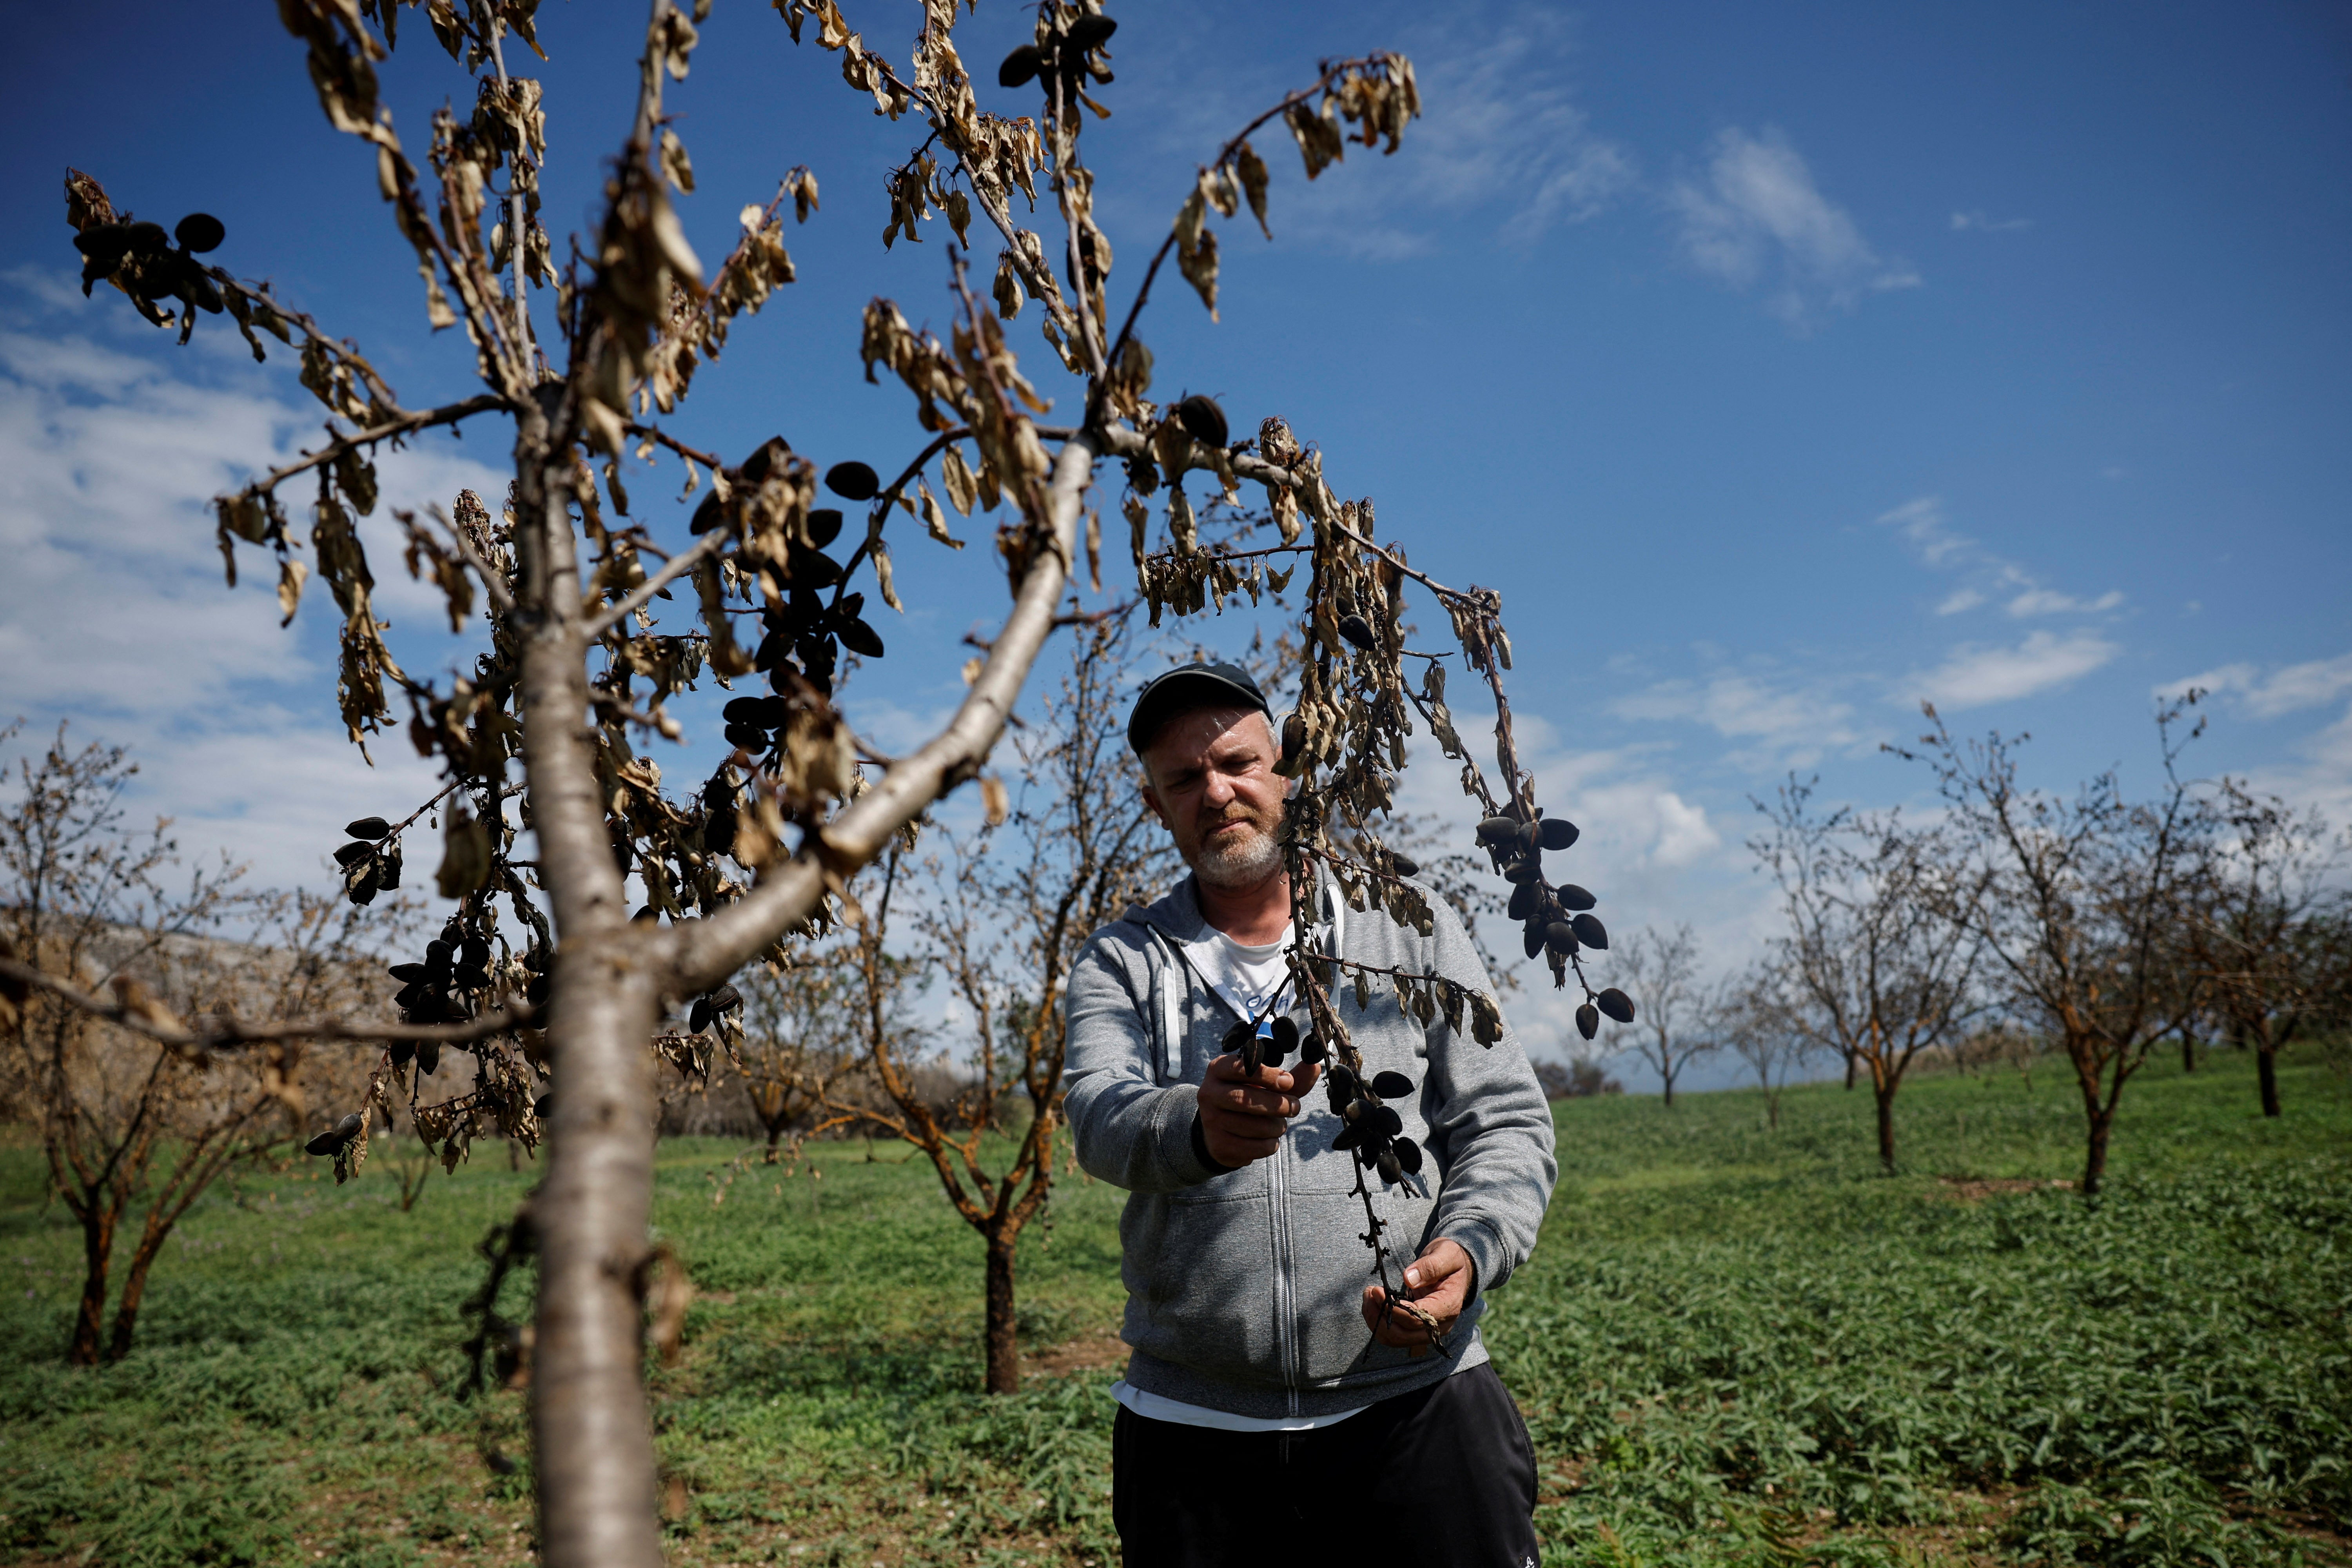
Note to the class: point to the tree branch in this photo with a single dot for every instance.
(421, 419)
(213, 1030)
(706, 951)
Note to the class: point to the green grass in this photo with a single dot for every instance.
(1735, 1346)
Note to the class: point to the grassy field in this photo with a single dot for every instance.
(1733, 1346)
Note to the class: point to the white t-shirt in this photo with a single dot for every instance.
(1250, 980)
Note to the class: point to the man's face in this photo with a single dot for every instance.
(1209, 777)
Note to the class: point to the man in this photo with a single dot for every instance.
(1272, 1412)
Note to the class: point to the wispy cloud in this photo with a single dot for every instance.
(1962, 222)
(2273, 693)
(1975, 676)
(1755, 215)
(2050, 602)
(1501, 148)
(1925, 526)
(1777, 721)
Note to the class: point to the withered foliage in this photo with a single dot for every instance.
(593, 623)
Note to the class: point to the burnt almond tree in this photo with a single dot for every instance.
(542, 977)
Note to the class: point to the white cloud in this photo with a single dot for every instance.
(1975, 676)
(1922, 522)
(2050, 602)
(1780, 723)
(1757, 215)
(113, 614)
(2281, 691)
(1977, 221)
(1924, 525)
(1501, 138)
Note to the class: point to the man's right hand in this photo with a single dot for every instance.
(1244, 1118)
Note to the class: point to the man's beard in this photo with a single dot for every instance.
(1243, 861)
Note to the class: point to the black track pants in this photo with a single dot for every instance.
(1440, 1477)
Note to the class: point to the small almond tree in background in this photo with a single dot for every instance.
(1679, 1018)
(1765, 1026)
(1065, 850)
(2267, 933)
(2082, 904)
(803, 1035)
(136, 1131)
(1879, 963)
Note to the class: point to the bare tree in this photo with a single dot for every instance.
(1879, 963)
(804, 1033)
(2261, 937)
(563, 985)
(1764, 1023)
(2079, 903)
(1677, 1021)
(1072, 847)
(135, 1131)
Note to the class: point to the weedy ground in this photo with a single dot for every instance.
(1736, 1346)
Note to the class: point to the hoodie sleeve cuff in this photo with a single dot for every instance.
(1485, 1250)
(1184, 1153)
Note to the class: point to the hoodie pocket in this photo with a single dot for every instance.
(1202, 1269)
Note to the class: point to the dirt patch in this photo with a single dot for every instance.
(1976, 1189)
(1092, 1353)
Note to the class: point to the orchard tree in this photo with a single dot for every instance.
(2266, 933)
(134, 1129)
(2082, 904)
(1683, 1018)
(1880, 960)
(1062, 852)
(542, 975)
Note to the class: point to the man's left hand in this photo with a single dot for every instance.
(1439, 1282)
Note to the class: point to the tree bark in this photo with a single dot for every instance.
(134, 1290)
(1884, 1093)
(2094, 1158)
(2266, 1073)
(1669, 1077)
(1003, 1343)
(1849, 1070)
(98, 1252)
(592, 1438)
(2188, 1052)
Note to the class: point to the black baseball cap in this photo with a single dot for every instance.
(1184, 689)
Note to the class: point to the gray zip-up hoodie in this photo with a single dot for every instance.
(1243, 1288)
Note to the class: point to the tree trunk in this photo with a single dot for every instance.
(134, 1290)
(98, 1252)
(1003, 1344)
(1849, 1070)
(1669, 1079)
(592, 1438)
(590, 1427)
(1884, 1094)
(2266, 1073)
(2188, 1052)
(2094, 1158)
(775, 1154)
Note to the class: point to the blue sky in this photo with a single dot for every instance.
(1780, 365)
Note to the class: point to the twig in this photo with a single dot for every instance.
(212, 1030)
(423, 419)
(677, 566)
